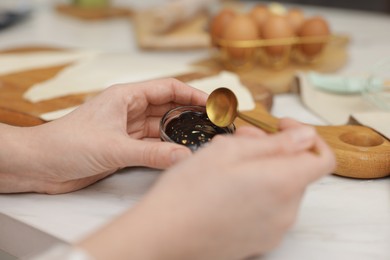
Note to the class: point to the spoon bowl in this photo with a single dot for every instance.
(222, 110)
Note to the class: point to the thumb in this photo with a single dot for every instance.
(153, 154)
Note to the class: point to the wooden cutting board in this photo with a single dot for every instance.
(14, 110)
(93, 13)
(360, 151)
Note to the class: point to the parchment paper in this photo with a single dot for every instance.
(338, 109)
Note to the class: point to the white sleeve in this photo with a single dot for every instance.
(63, 252)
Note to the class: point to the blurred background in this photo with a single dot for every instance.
(382, 6)
(126, 46)
(13, 11)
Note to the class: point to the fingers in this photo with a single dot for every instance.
(69, 186)
(163, 91)
(252, 144)
(286, 123)
(325, 154)
(309, 167)
(158, 155)
(322, 150)
(288, 174)
(250, 131)
(304, 168)
(148, 129)
(159, 110)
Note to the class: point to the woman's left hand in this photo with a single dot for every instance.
(117, 128)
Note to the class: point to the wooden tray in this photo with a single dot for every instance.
(193, 34)
(281, 80)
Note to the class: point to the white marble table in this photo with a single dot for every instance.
(340, 218)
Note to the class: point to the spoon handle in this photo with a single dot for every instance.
(264, 126)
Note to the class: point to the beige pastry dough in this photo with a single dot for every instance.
(225, 79)
(99, 72)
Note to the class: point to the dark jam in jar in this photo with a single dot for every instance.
(193, 129)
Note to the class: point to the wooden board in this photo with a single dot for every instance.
(93, 13)
(14, 110)
(189, 35)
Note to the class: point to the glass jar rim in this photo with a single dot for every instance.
(176, 112)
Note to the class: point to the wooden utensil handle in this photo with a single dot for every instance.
(260, 124)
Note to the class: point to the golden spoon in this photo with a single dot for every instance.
(222, 109)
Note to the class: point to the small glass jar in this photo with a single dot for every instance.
(190, 126)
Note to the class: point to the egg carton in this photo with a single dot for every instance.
(245, 54)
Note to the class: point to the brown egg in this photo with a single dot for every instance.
(315, 26)
(296, 18)
(241, 27)
(277, 27)
(260, 14)
(219, 22)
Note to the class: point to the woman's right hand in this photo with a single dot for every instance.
(231, 200)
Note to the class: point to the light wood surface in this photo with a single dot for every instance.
(360, 151)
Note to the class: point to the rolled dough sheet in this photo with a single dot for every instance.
(224, 79)
(98, 72)
(17, 62)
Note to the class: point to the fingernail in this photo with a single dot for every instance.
(179, 155)
(302, 134)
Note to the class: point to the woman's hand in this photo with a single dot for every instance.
(118, 128)
(233, 199)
